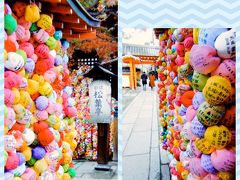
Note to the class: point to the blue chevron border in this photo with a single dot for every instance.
(1, 88)
(180, 13)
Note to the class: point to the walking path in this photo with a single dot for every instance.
(141, 146)
(128, 96)
(85, 171)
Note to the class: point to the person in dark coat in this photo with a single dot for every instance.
(144, 80)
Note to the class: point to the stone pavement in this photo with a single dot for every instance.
(141, 146)
(85, 171)
(128, 96)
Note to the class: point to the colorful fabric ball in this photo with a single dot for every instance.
(226, 69)
(186, 98)
(199, 81)
(210, 115)
(38, 152)
(208, 36)
(207, 165)
(45, 22)
(12, 161)
(217, 90)
(45, 137)
(218, 136)
(9, 143)
(225, 44)
(40, 166)
(10, 24)
(28, 48)
(224, 160)
(229, 117)
(21, 158)
(32, 13)
(197, 100)
(15, 62)
(197, 128)
(196, 168)
(42, 103)
(204, 59)
(204, 146)
(29, 65)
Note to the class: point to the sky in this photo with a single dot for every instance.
(139, 36)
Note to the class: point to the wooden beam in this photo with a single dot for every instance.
(88, 35)
(75, 26)
(68, 18)
(57, 8)
(84, 30)
(67, 31)
(80, 37)
(71, 38)
(64, 2)
(52, 1)
(67, 35)
(58, 25)
(93, 30)
(90, 28)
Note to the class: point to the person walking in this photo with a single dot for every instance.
(151, 81)
(144, 80)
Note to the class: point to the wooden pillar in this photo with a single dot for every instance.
(131, 65)
(103, 147)
(103, 144)
(134, 77)
(115, 139)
